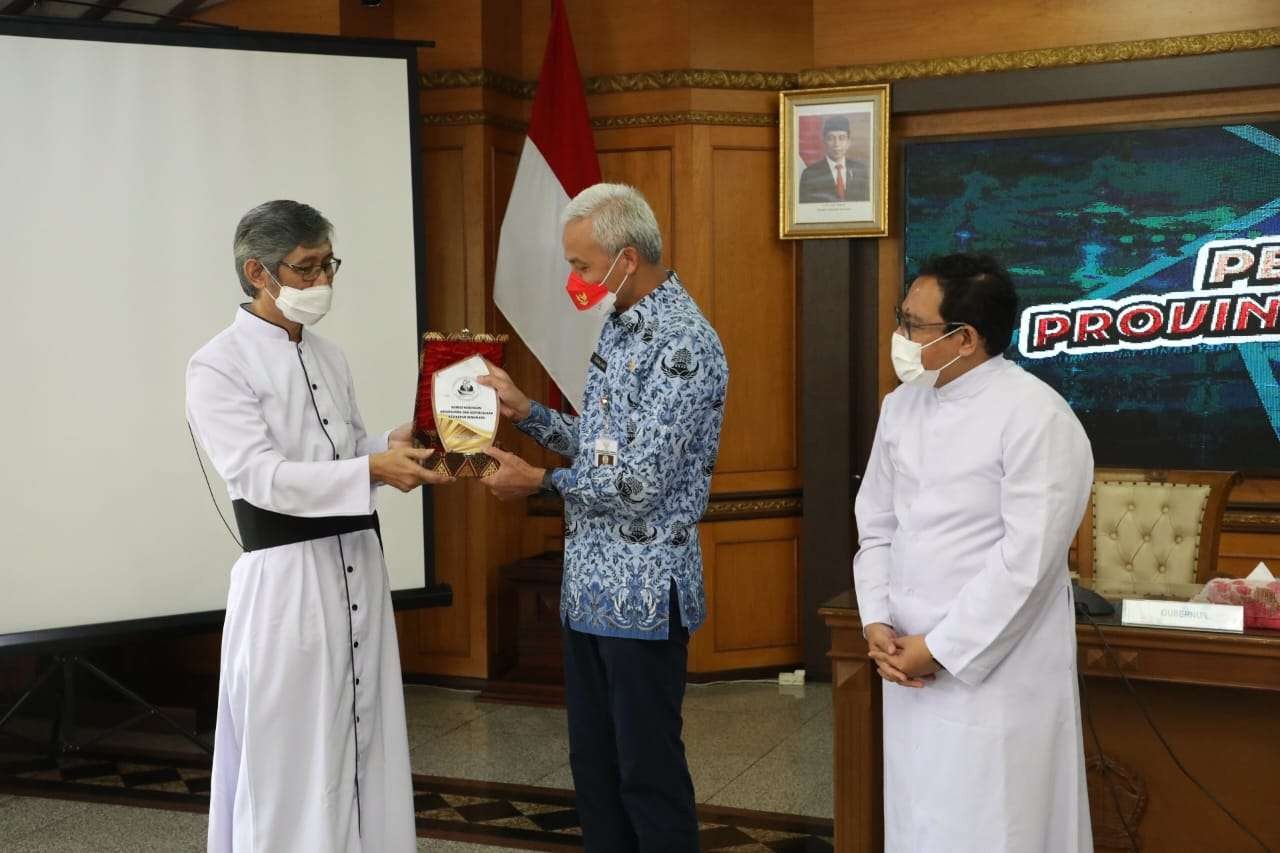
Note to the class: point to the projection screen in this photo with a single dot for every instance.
(125, 164)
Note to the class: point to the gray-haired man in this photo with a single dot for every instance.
(640, 461)
(310, 752)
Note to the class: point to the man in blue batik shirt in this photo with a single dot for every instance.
(640, 461)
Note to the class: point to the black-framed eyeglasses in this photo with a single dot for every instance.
(329, 268)
(907, 326)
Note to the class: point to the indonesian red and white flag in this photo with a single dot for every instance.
(558, 162)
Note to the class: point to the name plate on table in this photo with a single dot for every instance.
(1191, 615)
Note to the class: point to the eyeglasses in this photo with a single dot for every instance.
(329, 268)
(907, 326)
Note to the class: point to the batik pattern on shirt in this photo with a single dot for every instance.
(656, 386)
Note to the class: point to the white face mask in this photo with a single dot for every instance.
(606, 305)
(307, 307)
(908, 360)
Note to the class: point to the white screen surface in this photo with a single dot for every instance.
(124, 169)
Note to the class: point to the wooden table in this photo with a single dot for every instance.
(1215, 697)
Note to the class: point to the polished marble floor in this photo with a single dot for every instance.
(751, 745)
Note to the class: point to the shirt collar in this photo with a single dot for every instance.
(251, 324)
(974, 381)
(629, 320)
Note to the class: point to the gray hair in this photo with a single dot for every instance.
(620, 217)
(274, 229)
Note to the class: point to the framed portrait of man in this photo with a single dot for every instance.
(833, 162)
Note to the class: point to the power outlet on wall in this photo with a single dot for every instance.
(791, 679)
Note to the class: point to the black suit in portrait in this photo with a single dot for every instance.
(817, 184)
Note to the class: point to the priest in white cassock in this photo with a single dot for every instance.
(978, 478)
(310, 753)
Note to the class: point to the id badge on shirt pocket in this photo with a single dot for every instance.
(606, 451)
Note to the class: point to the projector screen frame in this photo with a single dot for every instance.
(430, 594)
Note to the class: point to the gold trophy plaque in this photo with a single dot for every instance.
(454, 414)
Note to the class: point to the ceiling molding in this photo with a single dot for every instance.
(1021, 60)
(1053, 57)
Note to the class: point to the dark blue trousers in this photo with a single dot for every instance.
(632, 781)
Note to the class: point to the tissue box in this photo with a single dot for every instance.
(1260, 599)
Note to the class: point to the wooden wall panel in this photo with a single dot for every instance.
(655, 161)
(890, 293)
(756, 579)
(1257, 491)
(621, 38)
(752, 577)
(505, 159)
(754, 310)
(502, 34)
(443, 194)
(1238, 553)
(611, 37)
(444, 631)
(751, 35)
(651, 171)
(295, 16)
(358, 20)
(857, 32)
(454, 25)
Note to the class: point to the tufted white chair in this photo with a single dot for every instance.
(1153, 528)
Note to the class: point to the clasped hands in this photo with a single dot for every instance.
(902, 660)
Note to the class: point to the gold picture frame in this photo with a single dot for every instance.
(833, 162)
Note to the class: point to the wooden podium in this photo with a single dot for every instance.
(1215, 697)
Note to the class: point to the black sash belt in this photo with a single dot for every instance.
(261, 528)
